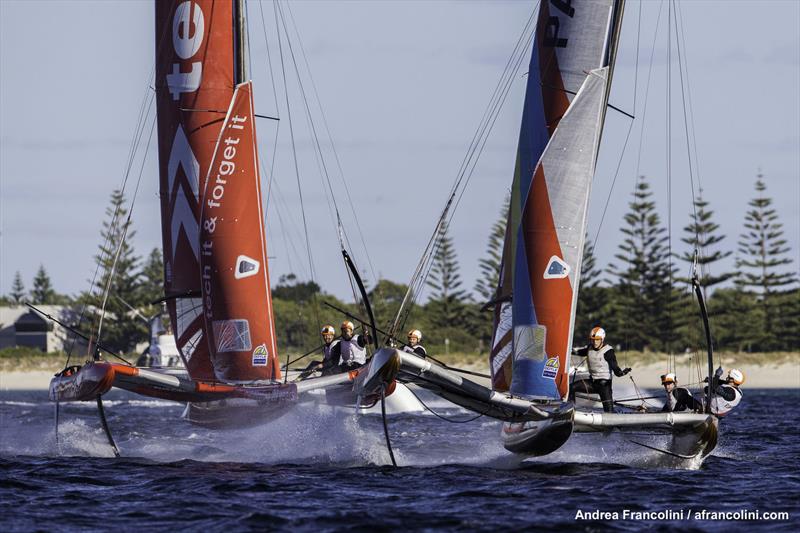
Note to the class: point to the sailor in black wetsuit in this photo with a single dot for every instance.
(326, 365)
(413, 346)
(678, 398)
(727, 394)
(602, 361)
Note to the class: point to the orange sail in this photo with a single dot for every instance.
(195, 73)
(237, 305)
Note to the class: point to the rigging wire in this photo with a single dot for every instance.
(125, 228)
(294, 146)
(669, 187)
(445, 418)
(630, 125)
(330, 139)
(467, 166)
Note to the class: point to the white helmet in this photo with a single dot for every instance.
(415, 333)
(598, 333)
(736, 375)
(668, 378)
(327, 330)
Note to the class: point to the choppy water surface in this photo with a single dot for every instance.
(319, 468)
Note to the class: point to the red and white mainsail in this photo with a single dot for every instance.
(194, 81)
(237, 305)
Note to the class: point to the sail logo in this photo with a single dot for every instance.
(556, 268)
(260, 355)
(246, 267)
(550, 369)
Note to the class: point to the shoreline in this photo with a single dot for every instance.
(777, 375)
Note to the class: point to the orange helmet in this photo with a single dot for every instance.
(348, 325)
(598, 333)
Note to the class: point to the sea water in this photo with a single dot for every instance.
(322, 468)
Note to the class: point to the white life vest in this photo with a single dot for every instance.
(598, 366)
(351, 351)
(720, 406)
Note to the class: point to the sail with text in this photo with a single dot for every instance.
(237, 304)
(195, 80)
(562, 120)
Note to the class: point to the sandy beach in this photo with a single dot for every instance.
(779, 375)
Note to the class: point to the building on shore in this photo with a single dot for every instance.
(22, 326)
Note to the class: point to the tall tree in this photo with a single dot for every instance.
(489, 265)
(42, 291)
(447, 298)
(643, 309)
(762, 261)
(117, 262)
(17, 289)
(151, 286)
(592, 297)
(702, 235)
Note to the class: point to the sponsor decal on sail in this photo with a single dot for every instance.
(260, 355)
(556, 269)
(246, 267)
(551, 368)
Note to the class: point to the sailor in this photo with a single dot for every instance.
(350, 352)
(413, 346)
(727, 394)
(678, 398)
(326, 365)
(602, 361)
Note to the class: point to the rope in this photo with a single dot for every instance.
(446, 419)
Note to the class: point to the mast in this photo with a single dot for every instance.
(240, 42)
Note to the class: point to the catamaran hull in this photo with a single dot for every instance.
(235, 412)
(681, 440)
(539, 437)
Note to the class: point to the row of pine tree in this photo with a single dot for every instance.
(642, 297)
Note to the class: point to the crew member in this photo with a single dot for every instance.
(727, 393)
(327, 333)
(678, 398)
(413, 346)
(350, 352)
(602, 361)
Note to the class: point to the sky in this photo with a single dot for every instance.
(403, 86)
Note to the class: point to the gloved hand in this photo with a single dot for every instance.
(718, 373)
(626, 371)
